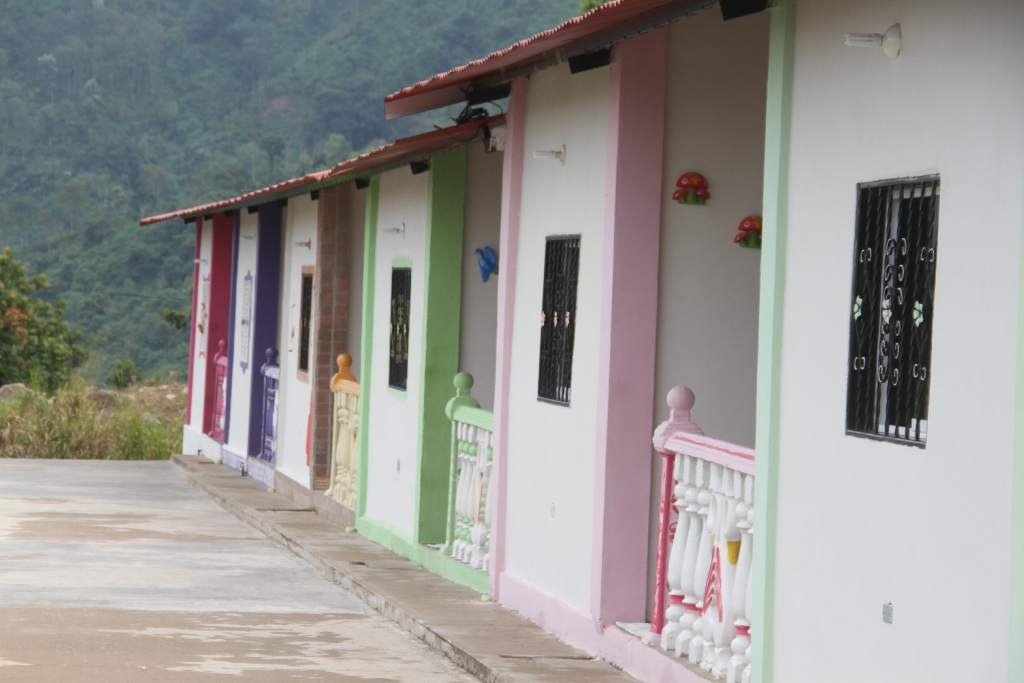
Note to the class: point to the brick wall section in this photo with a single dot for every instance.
(332, 261)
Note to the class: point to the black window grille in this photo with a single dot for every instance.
(398, 365)
(558, 318)
(892, 310)
(306, 313)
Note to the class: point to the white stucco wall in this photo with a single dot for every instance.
(198, 379)
(550, 447)
(357, 238)
(300, 220)
(862, 523)
(479, 316)
(393, 437)
(708, 285)
(241, 377)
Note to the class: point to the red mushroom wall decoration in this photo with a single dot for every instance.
(749, 234)
(693, 189)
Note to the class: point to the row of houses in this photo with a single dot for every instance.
(464, 342)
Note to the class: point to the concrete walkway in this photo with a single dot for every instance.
(492, 643)
(113, 572)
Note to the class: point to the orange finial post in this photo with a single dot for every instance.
(344, 363)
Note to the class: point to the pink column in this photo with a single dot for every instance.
(511, 203)
(629, 319)
(195, 312)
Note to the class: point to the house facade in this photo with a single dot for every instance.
(832, 443)
(894, 477)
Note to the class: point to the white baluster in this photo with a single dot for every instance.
(741, 593)
(692, 477)
(482, 477)
(729, 544)
(704, 553)
(485, 553)
(716, 523)
(674, 574)
(462, 496)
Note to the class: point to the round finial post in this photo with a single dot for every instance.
(344, 362)
(463, 383)
(680, 401)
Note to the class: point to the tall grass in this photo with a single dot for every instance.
(71, 425)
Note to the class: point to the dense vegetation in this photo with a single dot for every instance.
(111, 110)
(37, 346)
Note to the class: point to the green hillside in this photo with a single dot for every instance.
(111, 110)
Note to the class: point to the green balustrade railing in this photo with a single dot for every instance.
(469, 500)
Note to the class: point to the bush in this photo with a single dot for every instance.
(124, 374)
(73, 425)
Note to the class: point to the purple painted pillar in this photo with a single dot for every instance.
(264, 324)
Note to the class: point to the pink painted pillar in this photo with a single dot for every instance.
(629, 320)
(195, 313)
(511, 203)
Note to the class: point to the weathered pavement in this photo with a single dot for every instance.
(116, 566)
(115, 571)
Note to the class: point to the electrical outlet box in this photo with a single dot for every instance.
(887, 612)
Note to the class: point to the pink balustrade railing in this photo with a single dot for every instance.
(705, 546)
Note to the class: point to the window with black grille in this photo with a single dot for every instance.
(306, 312)
(558, 318)
(893, 300)
(398, 364)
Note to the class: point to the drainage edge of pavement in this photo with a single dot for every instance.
(371, 598)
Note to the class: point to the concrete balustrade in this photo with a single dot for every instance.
(344, 473)
(469, 491)
(705, 542)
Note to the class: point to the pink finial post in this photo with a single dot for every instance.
(680, 401)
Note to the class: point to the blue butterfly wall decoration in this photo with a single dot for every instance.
(487, 261)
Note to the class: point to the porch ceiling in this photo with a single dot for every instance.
(607, 24)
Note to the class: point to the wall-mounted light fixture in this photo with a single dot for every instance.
(308, 244)
(496, 142)
(199, 260)
(418, 167)
(400, 230)
(362, 183)
(888, 41)
(550, 154)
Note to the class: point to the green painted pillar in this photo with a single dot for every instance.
(1017, 495)
(366, 352)
(778, 114)
(442, 303)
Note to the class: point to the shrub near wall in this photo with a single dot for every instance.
(81, 423)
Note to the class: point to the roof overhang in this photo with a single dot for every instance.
(607, 24)
(393, 155)
(417, 148)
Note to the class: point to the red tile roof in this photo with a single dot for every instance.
(397, 153)
(280, 189)
(607, 24)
